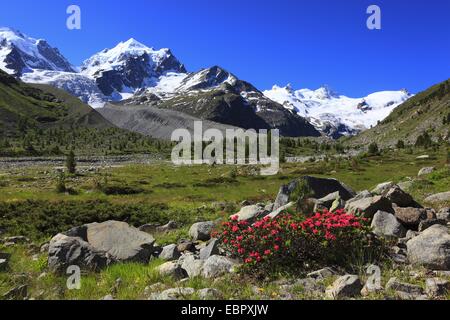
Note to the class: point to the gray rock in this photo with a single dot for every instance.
(174, 294)
(319, 188)
(217, 266)
(201, 231)
(172, 269)
(347, 286)
(170, 253)
(398, 196)
(382, 188)
(437, 287)
(209, 294)
(108, 298)
(385, 224)
(67, 251)
(431, 248)
(439, 197)
(397, 286)
(95, 246)
(118, 239)
(410, 217)
(369, 206)
(251, 213)
(444, 214)
(423, 225)
(426, 171)
(322, 274)
(210, 250)
(192, 265)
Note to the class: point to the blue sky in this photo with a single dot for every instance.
(303, 42)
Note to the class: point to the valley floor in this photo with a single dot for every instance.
(142, 193)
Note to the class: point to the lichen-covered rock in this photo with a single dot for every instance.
(217, 266)
(431, 248)
(347, 286)
(201, 231)
(369, 206)
(385, 224)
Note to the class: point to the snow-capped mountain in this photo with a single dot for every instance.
(336, 114)
(217, 95)
(20, 54)
(129, 66)
(139, 75)
(110, 75)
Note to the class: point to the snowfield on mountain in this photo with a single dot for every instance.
(338, 114)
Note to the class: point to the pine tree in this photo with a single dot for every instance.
(71, 163)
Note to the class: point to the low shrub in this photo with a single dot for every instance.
(292, 243)
(216, 181)
(116, 190)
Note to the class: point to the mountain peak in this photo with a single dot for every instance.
(20, 54)
(325, 92)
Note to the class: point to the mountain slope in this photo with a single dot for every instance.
(428, 111)
(216, 95)
(24, 106)
(338, 115)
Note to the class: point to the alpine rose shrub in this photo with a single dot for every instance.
(291, 243)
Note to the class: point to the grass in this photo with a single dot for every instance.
(31, 206)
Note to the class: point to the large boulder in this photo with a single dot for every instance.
(96, 245)
(439, 197)
(411, 217)
(431, 248)
(67, 251)
(217, 266)
(399, 197)
(385, 224)
(405, 291)
(347, 286)
(201, 231)
(318, 188)
(369, 206)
